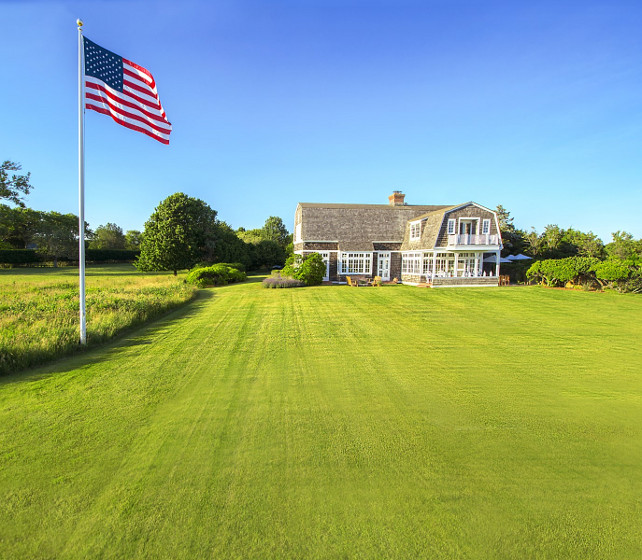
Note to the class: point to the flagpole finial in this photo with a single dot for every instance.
(79, 23)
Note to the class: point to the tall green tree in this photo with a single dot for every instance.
(513, 239)
(584, 244)
(57, 236)
(133, 238)
(181, 232)
(624, 246)
(15, 186)
(109, 236)
(18, 226)
(250, 235)
(274, 230)
(230, 248)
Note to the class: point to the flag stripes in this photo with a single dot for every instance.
(125, 91)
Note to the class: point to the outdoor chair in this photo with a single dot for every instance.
(376, 281)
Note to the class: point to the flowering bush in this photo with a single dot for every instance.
(280, 282)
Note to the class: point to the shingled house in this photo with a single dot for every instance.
(418, 244)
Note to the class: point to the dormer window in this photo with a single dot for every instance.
(415, 231)
(451, 227)
(485, 227)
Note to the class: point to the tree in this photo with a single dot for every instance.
(58, 235)
(181, 232)
(18, 226)
(268, 253)
(504, 219)
(229, 248)
(274, 230)
(250, 235)
(514, 240)
(624, 246)
(10, 188)
(585, 244)
(109, 236)
(133, 238)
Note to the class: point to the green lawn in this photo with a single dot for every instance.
(333, 422)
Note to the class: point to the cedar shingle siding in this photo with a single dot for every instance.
(336, 229)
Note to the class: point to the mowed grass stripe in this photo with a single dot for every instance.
(333, 422)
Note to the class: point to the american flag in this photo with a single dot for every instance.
(125, 91)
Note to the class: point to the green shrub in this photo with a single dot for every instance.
(215, 275)
(309, 269)
(558, 272)
(622, 275)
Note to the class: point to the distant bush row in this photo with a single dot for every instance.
(21, 257)
(219, 274)
(617, 274)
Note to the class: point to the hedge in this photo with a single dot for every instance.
(20, 256)
(215, 275)
(32, 256)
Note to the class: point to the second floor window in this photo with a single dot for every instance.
(485, 227)
(415, 230)
(451, 227)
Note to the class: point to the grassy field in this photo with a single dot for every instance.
(39, 308)
(330, 422)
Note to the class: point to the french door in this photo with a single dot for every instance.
(383, 266)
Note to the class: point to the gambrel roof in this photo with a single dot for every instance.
(357, 226)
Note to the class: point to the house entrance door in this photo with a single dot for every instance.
(383, 266)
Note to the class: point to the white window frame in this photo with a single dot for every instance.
(415, 230)
(355, 262)
(451, 226)
(485, 227)
(427, 264)
(412, 263)
(471, 220)
(297, 232)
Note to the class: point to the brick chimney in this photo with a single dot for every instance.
(396, 198)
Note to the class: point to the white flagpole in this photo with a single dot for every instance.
(81, 185)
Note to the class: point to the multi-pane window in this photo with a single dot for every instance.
(485, 227)
(466, 264)
(451, 227)
(415, 230)
(445, 264)
(411, 263)
(356, 263)
(427, 264)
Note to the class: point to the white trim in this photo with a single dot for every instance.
(414, 225)
(467, 219)
(365, 256)
(485, 223)
(467, 285)
(319, 241)
(381, 255)
(452, 221)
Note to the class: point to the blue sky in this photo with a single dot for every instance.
(533, 105)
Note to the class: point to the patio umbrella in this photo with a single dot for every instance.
(519, 257)
(492, 259)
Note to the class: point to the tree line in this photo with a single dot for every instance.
(181, 232)
(572, 257)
